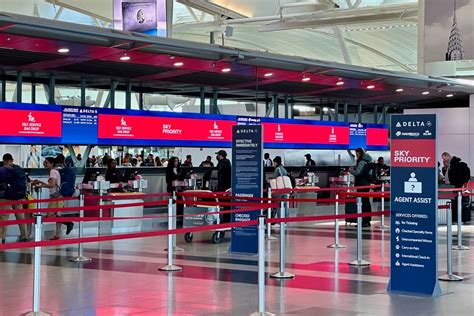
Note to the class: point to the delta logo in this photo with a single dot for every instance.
(279, 135)
(332, 136)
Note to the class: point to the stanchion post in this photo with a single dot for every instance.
(382, 220)
(336, 244)
(175, 218)
(269, 216)
(459, 245)
(359, 262)
(282, 274)
(37, 269)
(449, 245)
(261, 269)
(80, 258)
(170, 267)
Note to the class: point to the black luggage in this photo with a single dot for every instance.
(351, 208)
(465, 211)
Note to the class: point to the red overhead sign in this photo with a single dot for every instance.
(305, 133)
(30, 123)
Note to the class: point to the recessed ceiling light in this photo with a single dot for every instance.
(125, 58)
(399, 90)
(305, 79)
(63, 50)
(425, 93)
(370, 86)
(449, 95)
(178, 64)
(340, 83)
(268, 74)
(226, 70)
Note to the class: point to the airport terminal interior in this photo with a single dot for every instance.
(236, 157)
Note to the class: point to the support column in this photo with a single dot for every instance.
(276, 109)
(292, 115)
(336, 111)
(321, 114)
(128, 96)
(19, 87)
(83, 92)
(140, 100)
(385, 109)
(4, 90)
(213, 109)
(359, 113)
(33, 93)
(346, 112)
(286, 106)
(202, 97)
(113, 86)
(376, 112)
(52, 88)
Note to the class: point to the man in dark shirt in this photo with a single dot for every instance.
(207, 163)
(224, 169)
(309, 162)
(188, 162)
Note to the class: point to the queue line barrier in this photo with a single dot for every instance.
(261, 229)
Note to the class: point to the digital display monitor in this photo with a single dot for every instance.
(368, 136)
(30, 124)
(280, 133)
(164, 129)
(143, 16)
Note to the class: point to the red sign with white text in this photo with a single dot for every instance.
(377, 136)
(305, 134)
(30, 123)
(163, 128)
(420, 153)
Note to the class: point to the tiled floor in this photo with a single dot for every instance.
(123, 278)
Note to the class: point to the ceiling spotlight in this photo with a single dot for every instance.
(178, 64)
(340, 83)
(370, 86)
(425, 93)
(399, 90)
(63, 50)
(226, 70)
(449, 95)
(268, 74)
(305, 79)
(125, 57)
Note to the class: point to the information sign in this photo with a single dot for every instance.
(247, 180)
(414, 205)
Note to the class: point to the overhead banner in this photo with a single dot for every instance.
(368, 136)
(30, 124)
(54, 124)
(247, 181)
(141, 16)
(280, 133)
(414, 205)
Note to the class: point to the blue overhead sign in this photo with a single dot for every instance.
(414, 205)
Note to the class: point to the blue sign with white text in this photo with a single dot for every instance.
(414, 205)
(247, 179)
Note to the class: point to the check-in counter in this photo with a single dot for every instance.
(306, 208)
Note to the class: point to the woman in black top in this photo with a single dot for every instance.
(172, 173)
(112, 174)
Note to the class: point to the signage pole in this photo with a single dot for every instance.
(269, 216)
(336, 244)
(460, 246)
(449, 245)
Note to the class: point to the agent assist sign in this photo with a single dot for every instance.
(413, 204)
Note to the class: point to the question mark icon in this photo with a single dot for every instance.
(413, 187)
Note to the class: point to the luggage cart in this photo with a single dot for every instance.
(195, 215)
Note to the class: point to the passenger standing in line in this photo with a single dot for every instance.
(362, 178)
(309, 162)
(172, 174)
(207, 163)
(188, 162)
(267, 162)
(54, 185)
(158, 162)
(16, 191)
(224, 169)
(280, 171)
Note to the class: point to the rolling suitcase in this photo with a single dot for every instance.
(465, 211)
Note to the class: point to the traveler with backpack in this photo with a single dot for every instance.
(362, 178)
(56, 187)
(15, 190)
(458, 174)
(280, 171)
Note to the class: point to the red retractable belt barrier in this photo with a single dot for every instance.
(72, 198)
(125, 196)
(324, 217)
